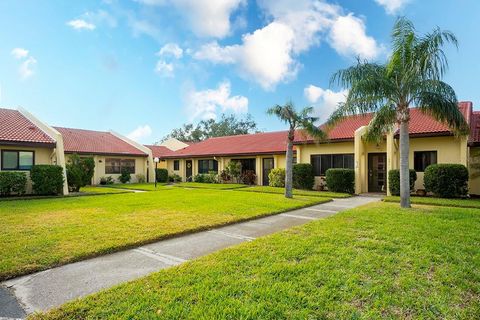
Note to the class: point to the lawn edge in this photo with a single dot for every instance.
(161, 238)
(434, 204)
(86, 194)
(298, 195)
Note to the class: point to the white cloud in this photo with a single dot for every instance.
(171, 49)
(392, 6)
(348, 37)
(205, 104)
(325, 100)
(164, 69)
(140, 133)
(80, 24)
(26, 69)
(207, 18)
(269, 55)
(19, 53)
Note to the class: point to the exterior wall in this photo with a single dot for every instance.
(41, 156)
(99, 172)
(474, 183)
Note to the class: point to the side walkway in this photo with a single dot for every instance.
(53, 287)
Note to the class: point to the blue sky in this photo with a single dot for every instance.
(144, 67)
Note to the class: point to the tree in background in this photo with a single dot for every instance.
(227, 126)
(296, 120)
(411, 76)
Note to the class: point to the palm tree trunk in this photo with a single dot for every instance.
(289, 166)
(404, 169)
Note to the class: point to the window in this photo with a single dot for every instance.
(115, 166)
(176, 165)
(321, 163)
(17, 160)
(294, 160)
(247, 164)
(205, 166)
(422, 159)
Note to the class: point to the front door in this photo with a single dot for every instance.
(188, 170)
(268, 165)
(377, 172)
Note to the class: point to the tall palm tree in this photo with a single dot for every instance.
(296, 120)
(411, 76)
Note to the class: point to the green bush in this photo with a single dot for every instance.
(234, 171)
(174, 178)
(248, 177)
(394, 181)
(140, 178)
(106, 180)
(446, 180)
(12, 182)
(211, 177)
(303, 177)
(125, 176)
(162, 175)
(340, 180)
(47, 179)
(79, 172)
(276, 177)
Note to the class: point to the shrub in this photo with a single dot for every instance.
(79, 172)
(276, 177)
(303, 177)
(234, 170)
(161, 175)
(174, 178)
(224, 176)
(394, 181)
(106, 180)
(125, 176)
(200, 178)
(341, 180)
(140, 178)
(248, 177)
(13, 182)
(47, 179)
(446, 180)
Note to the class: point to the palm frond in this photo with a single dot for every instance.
(381, 124)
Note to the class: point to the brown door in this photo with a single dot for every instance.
(377, 172)
(188, 170)
(268, 165)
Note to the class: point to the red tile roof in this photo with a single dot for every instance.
(16, 128)
(420, 124)
(248, 144)
(96, 142)
(475, 128)
(160, 151)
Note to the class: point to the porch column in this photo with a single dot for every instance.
(298, 148)
(463, 150)
(360, 165)
(391, 157)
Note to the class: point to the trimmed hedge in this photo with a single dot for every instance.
(47, 179)
(446, 180)
(161, 175)
(394, 181)
(211, 177)
(340, 180)
(125, 176)
(12, 182)
(276, 178)
(303, 176)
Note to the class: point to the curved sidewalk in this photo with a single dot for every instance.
(51, 288)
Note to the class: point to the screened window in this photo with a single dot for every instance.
(115, 166)
(176, 165)
(205, 166)
(422, 159)
(247, 164)
(17, 160)
(321, 163)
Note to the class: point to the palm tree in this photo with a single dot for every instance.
(296, 121)
(411, 76)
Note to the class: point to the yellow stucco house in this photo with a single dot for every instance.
(430, 142)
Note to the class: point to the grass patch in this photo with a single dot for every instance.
(297, 192)
(139, 186)
(101, 190)
(214, 186)
(373, 262)
(38, 234)
(463, 203)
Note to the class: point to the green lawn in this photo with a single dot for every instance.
(463, 203)
(215, 186)
(37, 234)
(138, 186)
(374, 262)
(297, 192)
(101, 190)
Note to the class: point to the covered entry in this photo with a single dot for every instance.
(377, 172)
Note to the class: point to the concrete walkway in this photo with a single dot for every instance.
(51, 288)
